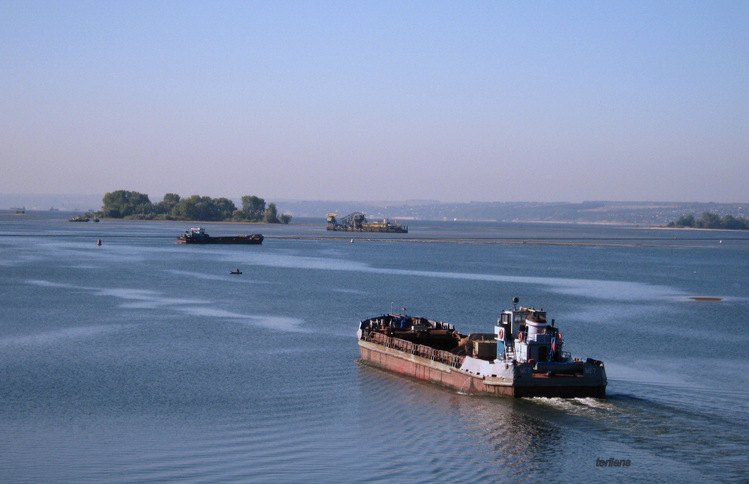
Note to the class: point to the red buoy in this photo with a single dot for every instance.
(98, 242)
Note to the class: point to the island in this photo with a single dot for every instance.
(134, 205)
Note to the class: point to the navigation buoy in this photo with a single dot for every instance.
(98, 242)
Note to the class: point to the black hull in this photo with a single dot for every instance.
(234, 240)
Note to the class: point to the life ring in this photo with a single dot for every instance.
(520, 337)
(501, 334)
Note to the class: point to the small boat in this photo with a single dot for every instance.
(235, 272)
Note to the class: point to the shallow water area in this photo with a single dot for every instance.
(145, 360)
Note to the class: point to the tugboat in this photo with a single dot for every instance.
(523, 357)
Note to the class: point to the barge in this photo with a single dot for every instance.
(523, 357)
(198, 235)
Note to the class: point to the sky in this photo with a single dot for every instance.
(377, 100)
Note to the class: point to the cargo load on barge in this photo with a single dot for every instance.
(198, 235)
(523, 357)
(357, 222)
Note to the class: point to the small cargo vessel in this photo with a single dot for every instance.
(523, 357)
(198, 235)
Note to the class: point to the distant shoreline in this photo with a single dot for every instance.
(540, 222)
(644, 214)
(622, 225)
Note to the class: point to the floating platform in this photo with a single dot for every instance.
(357, 222)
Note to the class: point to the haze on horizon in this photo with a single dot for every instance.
(381, 100)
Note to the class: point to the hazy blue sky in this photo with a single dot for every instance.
(377, 100)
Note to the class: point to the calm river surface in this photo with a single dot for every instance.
(143, 360)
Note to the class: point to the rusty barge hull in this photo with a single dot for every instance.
(515, 381)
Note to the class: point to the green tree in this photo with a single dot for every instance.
(224, 207)
(123, 203)
(197, 208)
(253, 208)
(685, 221)
(285, 218)
(709, 220)
(165, 206)
(271, 214)
(237, 216)
(732, 223)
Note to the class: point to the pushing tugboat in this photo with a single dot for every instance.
(524, 356)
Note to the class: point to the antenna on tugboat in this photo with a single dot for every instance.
(515, 302)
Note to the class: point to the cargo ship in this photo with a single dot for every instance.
(523, 357)
(198, 235)
(357, 222)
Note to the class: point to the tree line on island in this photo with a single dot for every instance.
(133, 205)
(710, 220)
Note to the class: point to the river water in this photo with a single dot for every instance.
(142, 360)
